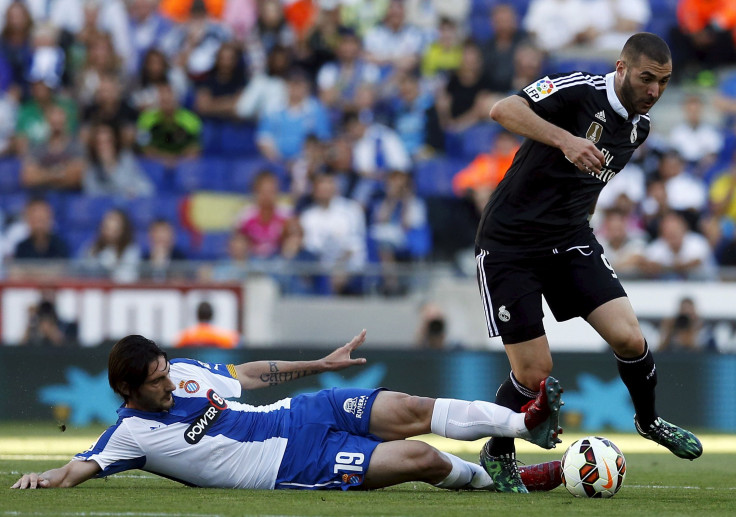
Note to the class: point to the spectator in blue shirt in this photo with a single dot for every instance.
(281, 134)
(42, 242)
(409, 114)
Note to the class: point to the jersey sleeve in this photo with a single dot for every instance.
(554, 94)
(115, 451)
(220, 377)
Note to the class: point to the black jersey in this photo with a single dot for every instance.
(543, 202)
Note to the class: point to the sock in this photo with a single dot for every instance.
(464, 475)
(513, 395)
(463, 420)
(640, 377)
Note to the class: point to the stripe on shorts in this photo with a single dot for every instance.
(486, 295)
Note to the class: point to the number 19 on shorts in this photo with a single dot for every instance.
(349, 462)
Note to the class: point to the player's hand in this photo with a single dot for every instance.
(32, 480)
(340, 358)
(582, 153)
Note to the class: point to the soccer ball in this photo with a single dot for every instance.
(593, 467)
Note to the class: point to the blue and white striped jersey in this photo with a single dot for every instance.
(204, 439)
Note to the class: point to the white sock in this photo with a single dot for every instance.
(463, 420)
(465, 475)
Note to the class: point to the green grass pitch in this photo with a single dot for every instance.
(657, 483)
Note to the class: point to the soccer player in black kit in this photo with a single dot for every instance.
(534, 238)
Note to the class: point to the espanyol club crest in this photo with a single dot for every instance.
(633, 134)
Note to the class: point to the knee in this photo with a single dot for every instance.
(433, 465)
(533, 374)
(629, 342)
(418, 409)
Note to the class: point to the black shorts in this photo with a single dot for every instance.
(574, 281)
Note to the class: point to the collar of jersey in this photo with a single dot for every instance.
(161, 416)
(613, 99)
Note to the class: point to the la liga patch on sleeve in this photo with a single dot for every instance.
(540, 89)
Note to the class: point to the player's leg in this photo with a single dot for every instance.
(617, 324)
(511, 293)
(409, 460)
(395, 416)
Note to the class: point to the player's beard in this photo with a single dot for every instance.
(630, 101)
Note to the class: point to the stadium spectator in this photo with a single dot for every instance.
(623, 244)
(361, 16)
(678, 253)
(427, 15)
(465, 100)
(724, 101)
(204, 334)
(334, 230)
(100, 60)
(113, 170)
(281, 134)
(266, 91)
(234, 267)
(698, 141)
(443, 55)
(398, 229)
(15, 42)
(480, 178)
(162, 253)
(218, 93)
(44, 327)
(240, 16)
(148, 28)
(155, 71)
(528, 64)
(394, 44)
(377, 149)
(720, 226)
(338, 80)
(263, 222)
(58, 161)
(686, 193)
(42, 242)
(112, 109)
(312, 161)
(170, 132)
(704, 37)
(556, 25)
(685, 331)
(8, 119)
(498, 52)
(432, 330)
(612, 22)
(408, 114)
(271, 26)
(296, 267)
(192, 44)
(113, 253)
(33, 116)
(48, 61)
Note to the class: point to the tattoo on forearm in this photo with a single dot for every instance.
(276, 377)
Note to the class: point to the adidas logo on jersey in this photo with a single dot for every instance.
(601, 115)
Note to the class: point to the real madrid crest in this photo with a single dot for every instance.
(633, 134)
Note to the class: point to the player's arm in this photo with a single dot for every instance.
(71, 474)
(259, 374)
(515, 114)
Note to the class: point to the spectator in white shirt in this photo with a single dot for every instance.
(556, 24)
(624, 248)
(686, 193)
(695, 139)
(612, 22)
(394, 44)
(678, 253)
(335, 231)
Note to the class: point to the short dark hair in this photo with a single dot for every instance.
(205, 312)
(129, 361)
(646, 44)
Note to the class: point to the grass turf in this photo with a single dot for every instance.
(657, 483)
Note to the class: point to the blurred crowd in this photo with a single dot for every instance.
(314, 138)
